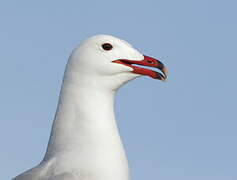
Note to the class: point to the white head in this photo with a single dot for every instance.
(107, 61)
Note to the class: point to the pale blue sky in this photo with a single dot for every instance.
(183, 129)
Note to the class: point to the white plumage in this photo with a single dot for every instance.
(84, 142)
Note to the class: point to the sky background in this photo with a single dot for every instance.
(182, 129)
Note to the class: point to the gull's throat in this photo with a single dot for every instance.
(84, 134)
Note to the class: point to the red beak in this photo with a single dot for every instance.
(149, 62)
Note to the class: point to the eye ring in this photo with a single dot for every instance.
(107, 46)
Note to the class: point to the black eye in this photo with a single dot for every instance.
(107, 46)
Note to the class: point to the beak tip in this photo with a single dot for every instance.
(163, 80)
(165, 71)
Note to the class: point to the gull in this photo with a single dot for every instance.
(85, 143)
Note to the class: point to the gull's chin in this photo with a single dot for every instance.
(124, 77)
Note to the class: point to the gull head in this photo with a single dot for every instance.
(107, 61)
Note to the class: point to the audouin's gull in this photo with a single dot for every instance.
(84, 142)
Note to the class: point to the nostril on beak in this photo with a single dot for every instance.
(150, 61)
